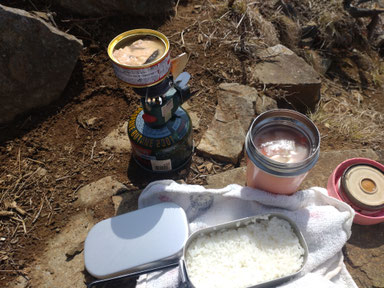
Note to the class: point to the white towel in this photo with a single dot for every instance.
(324, 222)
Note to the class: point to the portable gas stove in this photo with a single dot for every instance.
(160, 130)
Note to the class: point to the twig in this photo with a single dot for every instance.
(38, 213)
(29, 175)
(6, 213)
(10, 271)
(357, 12)
(93, 149)
(65, 177)
(182, 38)
(177, 5)
(194, 170)
(34, 6)
(84, 20)
(19, 160)
(241, 20)
(14, 231)
(22, 222)
(36, 161)
(14, 205)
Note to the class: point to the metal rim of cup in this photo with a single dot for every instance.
(287, 118)
(138, 33)
(345, 189)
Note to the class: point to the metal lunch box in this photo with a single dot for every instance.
(175, 258)
(235, 225)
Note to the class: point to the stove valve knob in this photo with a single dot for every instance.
(149, 118)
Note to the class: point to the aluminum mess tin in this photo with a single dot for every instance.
(142, 239)
(235, 225)
(108, 247)
(143, 75)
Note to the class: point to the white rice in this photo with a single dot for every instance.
(245, 256)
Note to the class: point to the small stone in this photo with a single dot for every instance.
(20, 282)
(41, 171)
(209, 167)
(95, 192)
(117, 140)
(195, 119)
(125, 202)
(233, 176)
(77, 249)
(357, 97)
(265, 103)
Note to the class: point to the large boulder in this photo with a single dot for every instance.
(36, 62)
(281, 68)
(113, 7)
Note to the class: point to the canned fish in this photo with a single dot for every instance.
(140, 57)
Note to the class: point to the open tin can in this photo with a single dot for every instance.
(118, 248)
(145, 75)
(281, 147)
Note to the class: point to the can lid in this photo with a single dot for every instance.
(138, 240)
(364, 186)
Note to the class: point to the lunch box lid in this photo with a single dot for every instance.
(137, 240)
(364, 186)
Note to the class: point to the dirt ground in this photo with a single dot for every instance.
(48, 155)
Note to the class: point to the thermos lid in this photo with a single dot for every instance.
(364, 186)
(142, 239)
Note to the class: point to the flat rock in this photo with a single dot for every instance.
(264, 103)
(114, 7)
(20, 282)
(364, 253)
(125, 202)
(319, 62)
(233, 176)
(328, 161)
(117, 140)
(36, 61)
(223, 141)
(282, 68)
(193, 115)
(54, 268)
(225, 136)
(95, 192)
